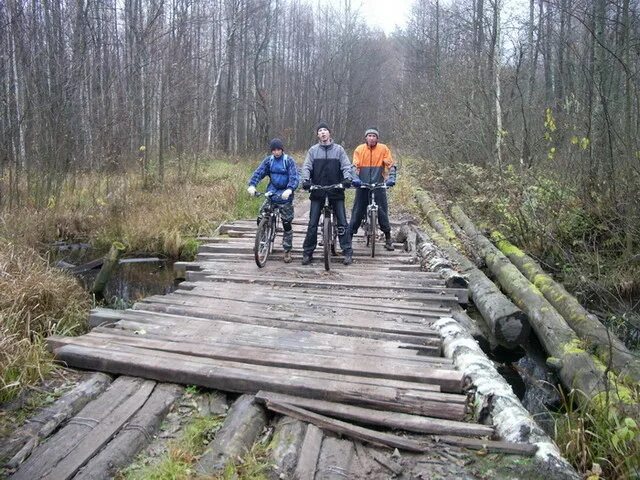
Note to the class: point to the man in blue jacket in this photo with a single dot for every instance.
(283, 180)
(326, 164)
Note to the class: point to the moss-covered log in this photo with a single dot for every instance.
(610, 349)
(506, 322)
(437, 219)
(576, 367)
(110, 261)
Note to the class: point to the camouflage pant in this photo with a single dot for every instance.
(286, 214)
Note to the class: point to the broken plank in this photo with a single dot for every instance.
(492, 446)
(394, 420)
(364, 434)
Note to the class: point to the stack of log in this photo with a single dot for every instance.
(565, 329)
(506, 322)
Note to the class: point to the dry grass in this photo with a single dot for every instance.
(35, 301)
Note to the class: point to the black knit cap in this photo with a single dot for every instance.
(276, 143)
(322, 125)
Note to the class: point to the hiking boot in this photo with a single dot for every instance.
(306, 259)
(287, 257)
(388, 244)
(348, 259)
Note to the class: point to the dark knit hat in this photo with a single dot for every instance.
(276, 143)
(373, 130)
(322, 125)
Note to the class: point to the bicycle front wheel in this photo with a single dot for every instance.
(262, 245)
(373, 230)
(326, 241)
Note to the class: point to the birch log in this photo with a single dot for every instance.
(510, 419)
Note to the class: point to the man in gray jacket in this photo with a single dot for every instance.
(326, 164)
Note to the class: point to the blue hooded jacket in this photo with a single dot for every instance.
(282, 173)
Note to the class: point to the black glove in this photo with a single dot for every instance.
(346, 183)
(306, 184)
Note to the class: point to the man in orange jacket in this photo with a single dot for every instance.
(372, 163)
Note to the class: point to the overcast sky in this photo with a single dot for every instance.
(387, 14)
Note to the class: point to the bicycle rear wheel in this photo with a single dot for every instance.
(373, 229)
(262, 245)
(326, 241)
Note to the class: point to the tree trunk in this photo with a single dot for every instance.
(608, 347)
(577, 368)
(506, 322)
(110, 261)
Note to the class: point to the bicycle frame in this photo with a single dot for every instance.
(329, 230)
(369, 224)
(266, 233)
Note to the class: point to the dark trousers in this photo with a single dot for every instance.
(311, 240)
(360, 205)
(286, 215)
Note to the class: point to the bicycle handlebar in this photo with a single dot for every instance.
(373, 186)
(326, 187)
(268, 195)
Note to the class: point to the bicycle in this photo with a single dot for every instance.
(329, 230)
(370, 222)
(267, 227)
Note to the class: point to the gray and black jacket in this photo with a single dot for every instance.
(326, 165)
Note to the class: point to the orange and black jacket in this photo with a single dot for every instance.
(373, 165)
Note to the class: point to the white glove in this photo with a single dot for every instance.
(286, 194)
(251, 190)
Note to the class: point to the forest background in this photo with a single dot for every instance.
(116, 114)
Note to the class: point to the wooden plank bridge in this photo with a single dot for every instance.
(350, 346)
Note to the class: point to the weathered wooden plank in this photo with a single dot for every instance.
(356, 366)
(101, 434)
(48, 454)
(394, 420)
(191, 352)
(192, 331)
(135, 434)
(229, 332)
(309, 453)
(429, 302)
(277, 256)
(292, 322)
(444, 294)
(240, 429)
(251, 379)
(344, 428)
(336, 304)
(493, 446)
(396, 325)
(22, 442)
(384, 272)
